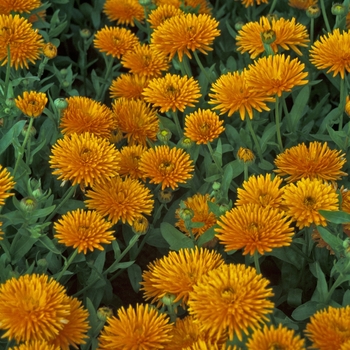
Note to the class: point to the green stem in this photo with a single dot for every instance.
(324, 14)
(211, 151)
(157, 213)
(203, 70)
(245, 168)
(67, 264)
(312, 29)
(273, 5)
(340, 280)
(177, 123)
(8, 71)
(42, 67)
(342, 102)
(186, 66)
(107, 78)
(256, 262)
(148, 28)
(278, 124)
(255, 139)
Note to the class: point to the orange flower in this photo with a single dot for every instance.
(162, 13)
(302, 4)
(8, 6)
(6, 184)
(35, 345)
(248, 3)
(129, 86)
(50, 50)
(201, 6)
(130, 157)
(124, 11)
(32, 103)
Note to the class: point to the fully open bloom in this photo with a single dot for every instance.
(232, 94)
(314, 161)
(302, 4)
(142, 327)
(248, 3)
(23, 41)
(184, 33)
(129, 86)
(177, 273)
(32, 103)
(172, 92)
(124, 11)
(231, 298)
(35, 345)
(120, 199)
(201, 6)
(168, 166)
(306, 197)
(130, 157)
(6, 184)
(162, 13)
(8, 6)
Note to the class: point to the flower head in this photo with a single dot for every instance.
(8, 6)
(35, 345)
(177, 273)
(238, 294)
(276, 74)
(24, 43)
(245, 155)
(129, 86)
(84, 159)
(120, 199)
(332, 51)
(248, 3)
(201, 6)
(50, 50)
(193, 32)
(124, 11)
(83, 230)
(172, 92)
(306, 197)
(162, 13)
(115, 41)
(130, 157)
(302, 4)
(232, 94)
(316, 161)
(347, 106)
(168, 166)
(6, 184)
(142, 327)
(275, 338)
(203, 126)
(32, 103)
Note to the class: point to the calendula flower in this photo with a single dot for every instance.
(1, 232)
(140, 225)
(261, 190)
(86, 115)
(116, 136)
(201, 6)
(248, 3)
(306, 197)
(84, 230)
(168, 166)
(120, 199)
(74, 332)
(232, 94)
(245, 155)
(237, 293)
(184, 33)
(347, 106)
(115, 41)
(199, 204)
(276, 74)
(6, 184)
(162, 13)
(329, 329)
(136, 120)
(142, 327)
(275, 337)
(124, 11)
(8, 6)
(130, 157)
(254, 229)
(315, 161)
(23, 42)
(84, 159)
(32, 103)
(33, 307)
(288, 35)
(203, 345)
(302, 4)
(50, 50)
(172, 92)
(332, 52)
(177, 273)
(203, 126)
(345, 206)
(129, 86)
(35, 345)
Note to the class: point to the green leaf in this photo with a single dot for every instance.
(6, 140)
(265, 165)
(338, 137)
(207, 236)
(298, 109)
(48, 244)
(226, 179)
(294, 297)
(269, 132)
(306, 310)
(135, 276)
(155, 239)
(120, 266)
(321, 291)
(336, 217)
(20, 247)
(176, 239)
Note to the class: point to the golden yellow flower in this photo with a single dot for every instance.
(203, 345)
(84, 159)
(136, 120)
(347, 106)
(32, 103)
(116, 136)
(332, 52)
(302, 4)
(1, 232)
(203, 126)
(162, 13)
(172, 92)
(289, 35)
(248, 3)
(129, 86)
(230, 298)
(245, 155)
(35, 345)
(124, 11)
(50, 50)
(275, 338)
(345, 206)
(261, 190)
(33, 307)
(115, 41)
(140, 225)
(8, 6)
(329, 329)
(83, 230)
(184, 33)
(201, 6)
(143, 327)
(231, 94)
(86, 115)
(24, 42)
(130, 157)
(177, 273)
(306, 197)
(316, 161)
(168, 166)
(120, 199)
(199, 204)
(276, 74)
(6, 184)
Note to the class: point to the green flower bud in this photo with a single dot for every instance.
(168, 299)
(85, 33)
(268, 37)
(186, 142)
(165, 196)
(338, 9)
(216, 186)
(239, 25)
(186, 214)
(313, 11)
(61, 103)
(10, 102)
(28, 204)
(63, 72)
(65, 84)
(164, 135)
(103, 313)
(32, 131)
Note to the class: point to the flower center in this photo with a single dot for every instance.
(276, 346)
(309, 201)
(166, 167)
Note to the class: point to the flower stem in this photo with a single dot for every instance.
(67, 264)
(255, 139)
(273, 5)
(203, 70)
(177, 123)
(186, 66)
(108, 78)
(324, 14)
(256, 262)
(8, 71)
(278, 124)
(213, 158)
(245, 168)
(312, 29)
(342, 102)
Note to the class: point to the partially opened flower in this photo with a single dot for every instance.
(32, 103)
(302, 4)
(130, 157)
(129, 86)
(167, 166)
(35, 345)
(142, 327)
(316, 160)
(9, 6)
(23, 41)
(6, 184)
(124, 11)
(177, 273)
(231, 298)
(248, 3)
(185, 33)
(84, 230)
(200, 6)
(162, 13)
